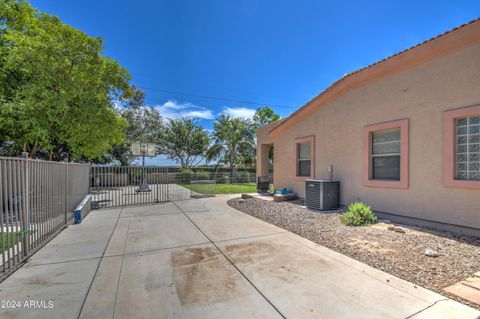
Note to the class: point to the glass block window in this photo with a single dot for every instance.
(304, 159)
(385, 154)
(467, 148)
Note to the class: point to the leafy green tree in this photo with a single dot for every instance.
(143, 124)
(264, 116)
(234, 142)
(183, 140)
(56, 89)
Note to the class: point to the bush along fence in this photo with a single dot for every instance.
(220, 176)
(37, 200)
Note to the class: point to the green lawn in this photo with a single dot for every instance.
(222, 188)
(13, 239)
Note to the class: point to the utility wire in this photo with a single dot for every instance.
(215, 97)
(223, 88)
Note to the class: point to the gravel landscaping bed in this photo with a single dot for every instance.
(399, 253)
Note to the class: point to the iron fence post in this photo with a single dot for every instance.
(66, 191)
(26, 205)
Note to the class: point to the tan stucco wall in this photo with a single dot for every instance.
(420, 94)
(263, 144)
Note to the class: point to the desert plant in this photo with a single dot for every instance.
(358, 214)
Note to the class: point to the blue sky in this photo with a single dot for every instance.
(269, 52)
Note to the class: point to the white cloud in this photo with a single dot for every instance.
(172, 110)
(206, 114)
(240, 112)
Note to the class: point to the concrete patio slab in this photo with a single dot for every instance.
(82, 241)
(146, 210)
(160, 232)
(383, 277)
(116, 246)
(65, 285)
(192, 282)
(209, 204)
(231, 224)
(211, 262)
(334, 290)
(446, 309)
(100, 302)
(194, 205)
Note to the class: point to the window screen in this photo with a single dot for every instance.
(303, 160)
(385, 154)
(467, 148)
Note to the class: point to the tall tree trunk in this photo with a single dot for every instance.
(33, 152)
(231, 172)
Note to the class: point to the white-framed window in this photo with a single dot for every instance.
(304, 160)
(385, 154)
(386, 149)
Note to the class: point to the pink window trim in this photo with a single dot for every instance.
(403, 124)
(449, 134)
(301, 140)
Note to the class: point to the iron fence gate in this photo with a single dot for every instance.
(113, 186)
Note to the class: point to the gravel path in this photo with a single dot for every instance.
(400, 254)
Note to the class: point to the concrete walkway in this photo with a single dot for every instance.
(200, 258)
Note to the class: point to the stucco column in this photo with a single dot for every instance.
(262, 159)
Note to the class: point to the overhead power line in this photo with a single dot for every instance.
(224, 89)
(217, 98)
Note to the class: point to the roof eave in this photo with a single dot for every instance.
(458, 38)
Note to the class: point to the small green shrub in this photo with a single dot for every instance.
(185, 175)
(358, 214)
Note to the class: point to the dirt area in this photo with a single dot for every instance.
(400, 252)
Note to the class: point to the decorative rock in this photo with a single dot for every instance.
(246, 196)
(386, 249)
(396, 229)
(431, 253)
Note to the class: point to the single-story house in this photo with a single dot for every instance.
(402, 135)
